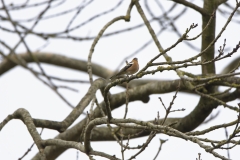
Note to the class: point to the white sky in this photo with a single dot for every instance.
(20, 89)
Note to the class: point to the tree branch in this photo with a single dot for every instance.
(193, 6)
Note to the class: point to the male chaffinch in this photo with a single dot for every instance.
(129, 69)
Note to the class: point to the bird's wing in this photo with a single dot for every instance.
(124, 68)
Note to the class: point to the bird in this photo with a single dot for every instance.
(129, 69)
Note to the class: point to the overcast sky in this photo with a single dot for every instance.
(20, 89)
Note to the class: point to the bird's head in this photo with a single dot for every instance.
(134, 59)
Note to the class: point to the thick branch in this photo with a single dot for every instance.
(57, 60)
(193, 6)
(208, 36)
